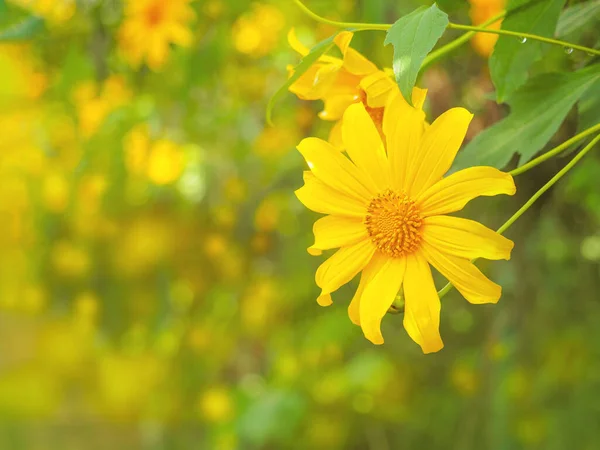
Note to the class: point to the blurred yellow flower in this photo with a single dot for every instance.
(149, 29)
(55, 192)
(341, 82)
(480, 12)
(387, 209)
(20, 79)
(161, 161)
(54, 11)
(216, 405)
(94, 103)
(70, 260)
(256, 33)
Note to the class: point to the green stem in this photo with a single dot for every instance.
(533, 37)
(536, 196)
(335, 23)
(555, 151)
(480, 29)
(437, 54)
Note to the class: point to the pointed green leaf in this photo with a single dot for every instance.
(537, 110)
(307, 61)
(511, 59)
(413, 36)
(22, 30)
(577, 17)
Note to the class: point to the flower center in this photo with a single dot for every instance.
(154, 14)
(394, 224)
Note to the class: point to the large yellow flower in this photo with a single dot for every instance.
(480, 12)
(387, 207)
(340, 83)
(150, 27)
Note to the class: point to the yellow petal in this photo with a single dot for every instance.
(335, 136)
(336, 105)
(319, 197)
(354, 306)
(439, 146)
(421, 305)
(453, 192)
(335, 231)
(335, 169)
(403, 127)
(363, 144)
(466, 278)
(378, 86)
(342, 266)
(304, 87)
(465, 238)
(418, 97)
(296, 44)
(354, 62)
(385, 277)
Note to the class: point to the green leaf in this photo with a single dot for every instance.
(413, 36)
(307, 61)
(511, 59)
(537, 110)
(577, 17)
(22, 30)
(589, 108)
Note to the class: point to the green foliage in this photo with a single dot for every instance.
(537, 110)
(589, 108)
(413, 36)
(22, 30)
(577, 17)
(512, 58)
(307, 61)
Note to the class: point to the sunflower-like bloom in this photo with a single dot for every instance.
(340, 83)
(150, 27)
(387, 207)
(480, 12)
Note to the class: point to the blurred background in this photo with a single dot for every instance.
(155, 289)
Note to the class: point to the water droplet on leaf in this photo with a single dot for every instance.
(568, 50)
(522, 39)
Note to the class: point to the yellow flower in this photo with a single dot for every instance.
(386, 210)
(150, 27)
(54, 11)
(481, 11)
(256, 33)
(343, 82)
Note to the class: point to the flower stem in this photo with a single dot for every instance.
(473, 29)
(536, 196)
(437, 54)
(533, 37)
(555, 151)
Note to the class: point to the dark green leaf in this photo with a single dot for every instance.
(413, 36)
(307, 61)
(577, 16)
(22, 30)
(511, 59)
(537, 110)
(589, 108)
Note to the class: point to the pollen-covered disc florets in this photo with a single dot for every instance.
(394, 224)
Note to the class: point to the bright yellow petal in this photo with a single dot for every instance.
(319, 197)
(466, 278)
(335, 231)
(465, 238)
(418, 97)
(335, 169)
(304, 86)
(421, 305)
(340, 268)
(439, 146)
(335, 136)
(385, 277)
(354, 62)
(453, 192)
(378, 86)
(295, 43)
(354, 306)
(363, 144)
(336, 105)
(403, 127)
